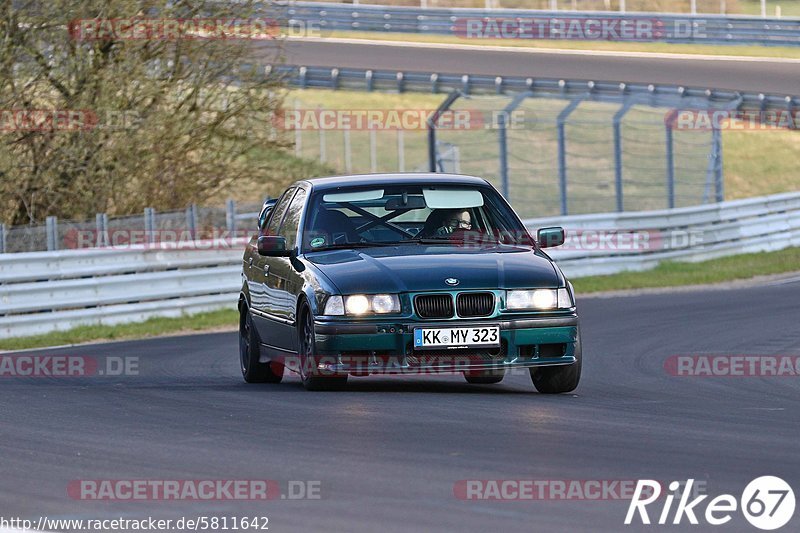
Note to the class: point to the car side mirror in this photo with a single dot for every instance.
(550, 237)
(272, 246)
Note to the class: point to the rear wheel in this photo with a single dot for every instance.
(558, 379)
(254, 371)
(309, 373)
(485, 377)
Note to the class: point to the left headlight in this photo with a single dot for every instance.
(362, 304)
(539, 299)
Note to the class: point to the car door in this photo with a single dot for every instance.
(259, 270)
(284, 281)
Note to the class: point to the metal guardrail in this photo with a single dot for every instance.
(675, 96)
(608, 243)
(46, 291)
(698, 29)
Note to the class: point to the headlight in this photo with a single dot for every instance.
(362, 304)
(334, 306)
(539, 299)
(356, 305)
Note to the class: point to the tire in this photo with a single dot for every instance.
(306, 344)
(249, 352)
(559, 379)
(486, 377)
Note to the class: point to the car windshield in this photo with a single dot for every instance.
(409, 214)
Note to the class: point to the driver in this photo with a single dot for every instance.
(442, 222)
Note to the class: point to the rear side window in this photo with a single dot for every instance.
(277, 213)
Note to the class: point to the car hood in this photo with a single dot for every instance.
(425, 268)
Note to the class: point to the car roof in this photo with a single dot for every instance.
(408, 178)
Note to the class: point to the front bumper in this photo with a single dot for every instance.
(386, 347)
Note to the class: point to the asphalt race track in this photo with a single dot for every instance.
(761, 75)
(388, 451)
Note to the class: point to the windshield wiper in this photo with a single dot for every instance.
(348, 245)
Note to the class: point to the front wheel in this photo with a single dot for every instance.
(309, 373)
(559, 379)
(254, 371)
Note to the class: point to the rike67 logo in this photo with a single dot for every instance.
(767, 503)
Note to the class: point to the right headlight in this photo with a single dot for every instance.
(362, 304)
(539, 299)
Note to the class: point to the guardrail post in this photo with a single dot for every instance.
(465, 84)
(562, 151)
(303, 75)
(150, 224)
(434, 83)
(617, 122)
(51, 228)
(230, 216)
(368, 76)
(401, 82)
(670, 166)
(191, 220)
(2, 238)
(334, 78)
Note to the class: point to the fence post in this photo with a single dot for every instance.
(348, 151)
(51, 227)
(323, 148)
(401, 150)
(191, 220)
(719, 184)
(230, 216)
(431, 123)
(502, 133)
(670, 167)
(562, 151)
(373, 151)
(298, 132)
(150, 224)
(2, 238)
(617, 122)
(101, 225)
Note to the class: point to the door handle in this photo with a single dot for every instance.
(250, 262)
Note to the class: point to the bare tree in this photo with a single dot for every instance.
(94, 118)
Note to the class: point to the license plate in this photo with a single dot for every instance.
(451, 338)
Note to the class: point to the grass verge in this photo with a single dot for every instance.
(674, 274)
(668, 274)
(154, 327)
